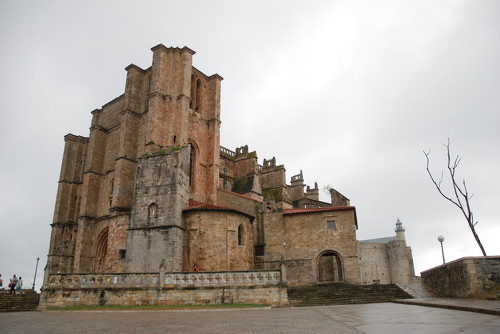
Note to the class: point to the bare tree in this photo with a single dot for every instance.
(460, 195)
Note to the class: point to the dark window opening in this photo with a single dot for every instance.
(191, 164)
(240, 235)
(197, 106)
(152, 210)
(193, 92)
(259, 250)
(331, 224)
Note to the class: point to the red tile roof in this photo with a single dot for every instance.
(314, 210)
(239, 195)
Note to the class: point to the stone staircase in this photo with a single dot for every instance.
(416, 290)
(343, 293)
(27, 300)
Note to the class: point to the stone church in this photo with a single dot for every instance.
(152, 187)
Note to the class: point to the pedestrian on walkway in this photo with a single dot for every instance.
(13, 284)
(19, 284)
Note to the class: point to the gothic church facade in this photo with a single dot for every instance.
(151, 186)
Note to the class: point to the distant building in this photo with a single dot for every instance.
(151, 186)
(386, 260)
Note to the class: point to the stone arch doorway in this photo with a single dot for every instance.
(101, 250)
(330, 267)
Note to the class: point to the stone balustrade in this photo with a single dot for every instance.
(218, 278)
(153, 279)
(227, 151)
(96, 280)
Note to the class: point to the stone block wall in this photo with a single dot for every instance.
(249, 287)
(62, 247)
(385, 263)
(374, 263)
(285, 236)
(401, 261)
(272, 295)
(245, 164)
(273, 177)
(211, 240)
(464, 277)
(156, 228)
(234, 200)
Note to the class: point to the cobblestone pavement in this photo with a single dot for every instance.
(367, 318)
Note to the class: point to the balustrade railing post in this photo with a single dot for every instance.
(163, 269)
(283, 271)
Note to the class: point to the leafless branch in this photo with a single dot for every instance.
(461, 194)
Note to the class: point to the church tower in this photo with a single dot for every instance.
(149, 151)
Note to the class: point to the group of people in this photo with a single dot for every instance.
(15, 284)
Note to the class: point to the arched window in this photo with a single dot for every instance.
(152, 210)
(241, 235)
(192, 165)
(197, 106)
(224, 180)
(196, 93)
(193, 92)
(111, 188)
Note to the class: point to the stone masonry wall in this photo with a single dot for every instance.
(156, 227)
(374, 263)
(200, 288)
(401, 261)
(272, 295)
(245, 164)
(385, 263)
(211, 241)
(306, 236)
(464, 277)
(233, 200)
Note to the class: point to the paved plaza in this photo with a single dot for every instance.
(366, 318)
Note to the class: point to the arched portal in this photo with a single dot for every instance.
(330, 267)
(101, 250)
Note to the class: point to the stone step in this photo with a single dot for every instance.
(416, 290)
(342, 293)
(19, 302)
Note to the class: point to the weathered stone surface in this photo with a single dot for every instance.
(464, 277)
(272, 295)
(151, 190)
(229, 236)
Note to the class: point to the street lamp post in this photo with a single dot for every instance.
(36, 268)
(441, 239)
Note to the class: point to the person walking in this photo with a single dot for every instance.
(19, 284)
(1, 282)
(13, 284)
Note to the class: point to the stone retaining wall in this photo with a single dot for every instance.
(272, 295)
(464, 277)
(252, 287)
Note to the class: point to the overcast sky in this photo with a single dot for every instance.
(349, 92)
